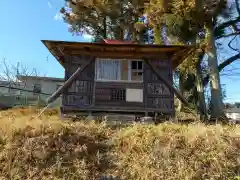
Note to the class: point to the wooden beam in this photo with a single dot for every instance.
(123, 49)
(120, 56)
(125, 56)
(114, 54)
(69, 82)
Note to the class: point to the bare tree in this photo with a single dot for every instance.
(11, 72)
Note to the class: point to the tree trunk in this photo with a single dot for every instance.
(134, 34)
(105, 28)
(133, 29)
(158, 34)
(189, 85)
(181, 89)
(199, 78)
(200, 92)
(217, 111)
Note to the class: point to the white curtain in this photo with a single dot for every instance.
(107, 69)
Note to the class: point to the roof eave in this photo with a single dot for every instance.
(178, 52)
(51, 50)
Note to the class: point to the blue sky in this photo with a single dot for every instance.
(25, 23)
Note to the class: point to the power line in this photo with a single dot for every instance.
(24, 90)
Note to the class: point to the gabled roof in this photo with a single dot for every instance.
(118, 49)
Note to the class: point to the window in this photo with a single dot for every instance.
(37, 88)
(108, 69)
(119, 70)
(118, 94)
(136, 70)
(18, 92)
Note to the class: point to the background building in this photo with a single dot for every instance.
(29, 90)
(233, 111)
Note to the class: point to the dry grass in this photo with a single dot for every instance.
(52, 148)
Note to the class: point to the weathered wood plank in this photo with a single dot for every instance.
(69, 82)
(157, 94)
(115, 84)
(116, 109)
(80, 93)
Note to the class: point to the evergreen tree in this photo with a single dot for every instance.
(185, 22)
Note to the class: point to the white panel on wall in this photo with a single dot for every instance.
(134, 95)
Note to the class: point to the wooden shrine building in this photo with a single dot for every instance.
(117, 77)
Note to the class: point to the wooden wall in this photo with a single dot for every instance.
(124, 68)
(80, 94)
(86, 93)
(158, 95)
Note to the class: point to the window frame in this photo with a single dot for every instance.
(36, 85)
(130, 70)
(119, 70)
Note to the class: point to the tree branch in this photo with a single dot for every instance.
(228, 35)
(230, 44)
(222, 66)
(10, 72)
(226, 24)
(237, 6)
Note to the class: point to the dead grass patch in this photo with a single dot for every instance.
(49, 148)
